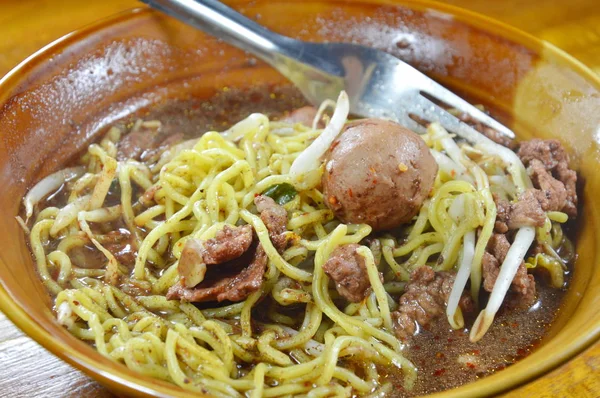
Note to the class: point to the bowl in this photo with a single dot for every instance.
(55, 102)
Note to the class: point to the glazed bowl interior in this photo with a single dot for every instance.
(56, 102)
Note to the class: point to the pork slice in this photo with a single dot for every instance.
(553, 189)
(118, 242)
(498, 246)
(492, 259)
(542, 198)
(502, 214)
(424, 299)
(121, 244)
(550, 152)
(522, 290)
(490, 268)
(226, 286)
(348, 270)
(526, 211)
(569, 178)
(275, 218)
(228, 244)
(548, 167)
(523, 285)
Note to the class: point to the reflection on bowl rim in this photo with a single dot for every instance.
(143, 385)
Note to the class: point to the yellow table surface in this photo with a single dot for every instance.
(27, 370)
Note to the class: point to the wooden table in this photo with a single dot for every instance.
(28, 370)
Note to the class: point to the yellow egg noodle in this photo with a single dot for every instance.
(200, 186)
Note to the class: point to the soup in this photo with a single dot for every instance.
(299, 252)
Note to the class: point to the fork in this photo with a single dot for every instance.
(378, 84)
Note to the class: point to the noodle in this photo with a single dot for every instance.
(253, 347)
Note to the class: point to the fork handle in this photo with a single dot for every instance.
(217, 19)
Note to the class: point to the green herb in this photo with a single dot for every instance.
(281, 193)
(115, 187)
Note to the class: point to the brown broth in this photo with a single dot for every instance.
(446, 358)
(195, 117)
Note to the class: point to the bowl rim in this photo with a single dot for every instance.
(144, 385)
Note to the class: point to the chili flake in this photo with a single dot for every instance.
(439, 372)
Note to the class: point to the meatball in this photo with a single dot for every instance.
(377, 172)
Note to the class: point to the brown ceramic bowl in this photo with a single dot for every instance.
(52, 105)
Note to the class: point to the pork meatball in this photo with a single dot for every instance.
(377, 172)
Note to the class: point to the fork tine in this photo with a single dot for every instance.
(405, 120)
(399, 115)
(443, 94)
(426, 109)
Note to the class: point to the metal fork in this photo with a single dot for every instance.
(378, 84)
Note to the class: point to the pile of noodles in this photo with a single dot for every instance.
(335, 349)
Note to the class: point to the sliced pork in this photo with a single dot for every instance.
(547, 163)
(522, 292)
(348, 270)
(425, 298)
(229, 283)
(275, 218)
